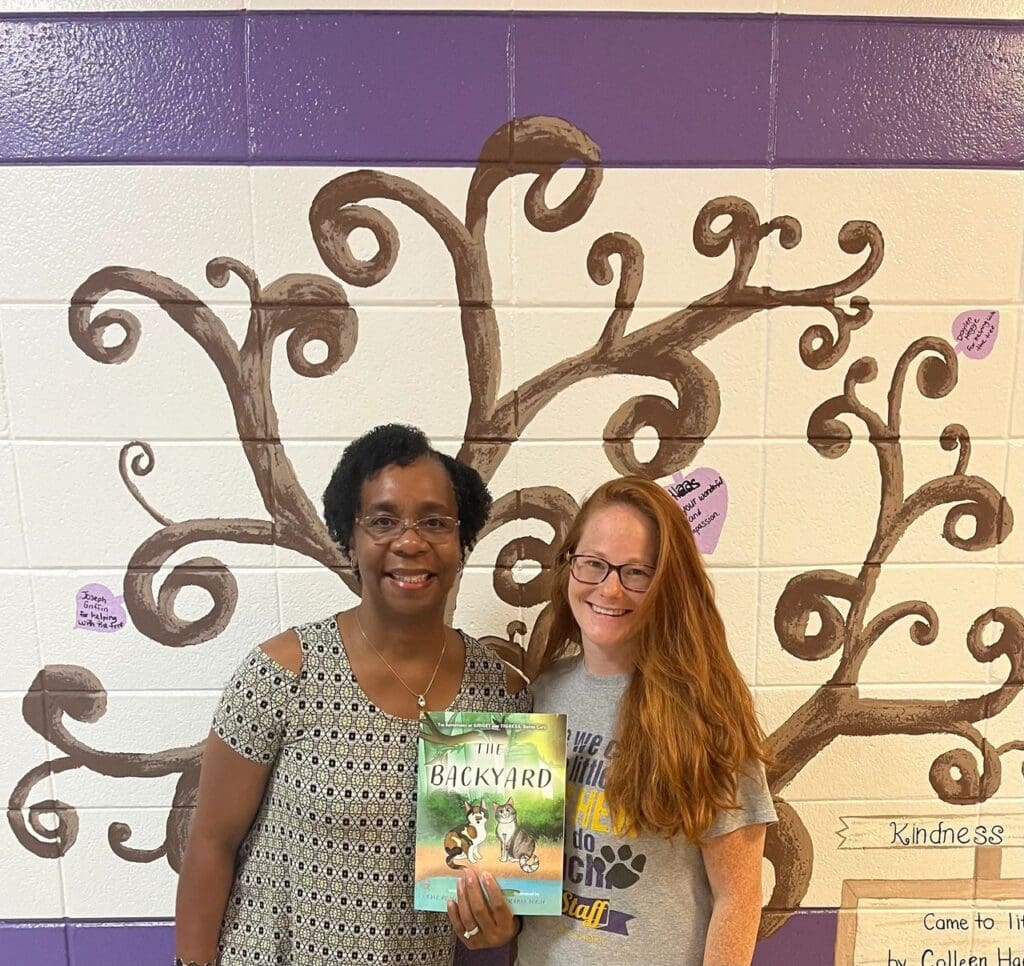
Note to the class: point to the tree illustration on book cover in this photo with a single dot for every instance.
(491, 796)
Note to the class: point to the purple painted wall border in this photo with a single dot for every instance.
(149, 942)
(402, 88)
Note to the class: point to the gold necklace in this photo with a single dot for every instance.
(421, 699)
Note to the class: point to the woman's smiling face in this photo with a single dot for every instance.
(607, 613)
(407, 575)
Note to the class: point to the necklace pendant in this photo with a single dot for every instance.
(421, 701)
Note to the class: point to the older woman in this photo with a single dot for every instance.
(302, 846)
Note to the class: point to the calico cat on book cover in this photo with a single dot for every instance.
(464, 840)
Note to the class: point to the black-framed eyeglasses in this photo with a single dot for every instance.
(595, 570)
(383, 528)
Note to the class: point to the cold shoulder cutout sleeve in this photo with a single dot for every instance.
(252, 716)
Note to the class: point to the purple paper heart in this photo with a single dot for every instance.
(703, 496)
(98, 608)
(975, 332)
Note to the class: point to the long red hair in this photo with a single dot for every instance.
(686, 726)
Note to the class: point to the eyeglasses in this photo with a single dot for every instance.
(594, 570)
(383, 528)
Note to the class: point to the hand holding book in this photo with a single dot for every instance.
(481, 917)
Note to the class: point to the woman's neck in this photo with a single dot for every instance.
(398, 636)
(608, 663)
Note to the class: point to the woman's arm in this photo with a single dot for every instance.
(230, 792)
(231, 789)
(733, 865)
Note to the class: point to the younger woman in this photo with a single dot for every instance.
(666, 803)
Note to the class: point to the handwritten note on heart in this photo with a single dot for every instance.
(703, 496)
(975, 332)
(98, 608)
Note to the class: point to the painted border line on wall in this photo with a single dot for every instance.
(655, 90)
(84, 942)
(112, 942)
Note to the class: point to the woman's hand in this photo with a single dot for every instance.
(481, 917)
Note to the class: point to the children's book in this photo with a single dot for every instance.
(491, 797)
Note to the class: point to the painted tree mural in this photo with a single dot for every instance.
(308, 308)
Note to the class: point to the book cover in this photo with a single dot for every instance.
(491, 796)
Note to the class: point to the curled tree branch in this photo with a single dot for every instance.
(141, 465)
(38, 836)
(827, 433)
(790, 850)
(310, 308)
(548, 504)
(664, 349)
(956, 437)
(77, 693)
(682, 427)
(954, 775)
(922, 632)
(73, 691)
(631, 258)
(155, 616)
(936, 375)
(336, 212)
(182, 305)
(118, 834)
(808, 594)
(982, 503)
(541, 145)
(838, 708)
(819, 349)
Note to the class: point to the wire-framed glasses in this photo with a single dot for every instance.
(383, 528)
(594, 570)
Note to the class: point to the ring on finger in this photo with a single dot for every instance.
(470, 933)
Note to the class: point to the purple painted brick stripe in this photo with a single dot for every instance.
(940, 93)
(40, 943)
(70, 942)
(426, 88)
(807, 939)
(371, 87)
(131, 943)
(126, 88)
(691, 90)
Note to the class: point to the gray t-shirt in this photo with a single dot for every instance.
(644, 899)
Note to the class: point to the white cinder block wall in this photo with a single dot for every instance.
(952, 228)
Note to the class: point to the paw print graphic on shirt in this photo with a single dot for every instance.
(624, 868)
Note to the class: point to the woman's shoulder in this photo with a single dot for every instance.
(289, 652)
(556, 678)
(303, 645)
(285, 650)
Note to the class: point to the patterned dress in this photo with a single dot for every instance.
(325, 874)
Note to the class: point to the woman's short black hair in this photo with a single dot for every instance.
(397, 445)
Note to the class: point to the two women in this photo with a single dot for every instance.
(302, 845)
